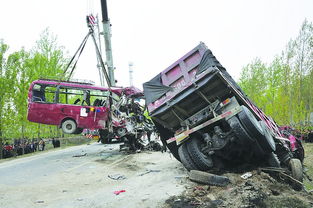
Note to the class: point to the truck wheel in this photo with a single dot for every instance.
(266, 142)
(239, 130)
(202, 161)
(185, 158)
(296, 169)
(273, 160)
(208, 178)
(250, 123)
(69, 126)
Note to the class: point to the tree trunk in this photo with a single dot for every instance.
(38, 133)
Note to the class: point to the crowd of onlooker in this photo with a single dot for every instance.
(25, 146)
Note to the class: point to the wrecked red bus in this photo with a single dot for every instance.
(73, 106)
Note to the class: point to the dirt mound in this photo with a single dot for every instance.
(260, 190)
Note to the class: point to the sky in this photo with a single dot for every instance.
(153, 34)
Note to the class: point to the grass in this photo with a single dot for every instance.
(308, 165)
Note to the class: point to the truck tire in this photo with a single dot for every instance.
(296, 169)
(239, 130)
(202, 161)
(273, 160)
(69, 126)
(266, 142)
(185, 158)
(208, 178)
(250, 123)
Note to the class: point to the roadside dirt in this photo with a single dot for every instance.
(261, 190)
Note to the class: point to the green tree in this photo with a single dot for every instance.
(17, 71)
(283, 88)
(3, 84)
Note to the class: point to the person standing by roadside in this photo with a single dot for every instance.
(53, 143)
(43, 145)
(40, 145)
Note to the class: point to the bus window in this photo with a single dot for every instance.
(98, 97)
(83, 97)
(44, 93)
(38, 93)
(50, 94)
(70, 96)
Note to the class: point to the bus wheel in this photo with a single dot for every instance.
(69, 126)
(79, 131)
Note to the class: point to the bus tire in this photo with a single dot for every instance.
(69, 126)
(79, 131)
(203, 161)
(185, 158)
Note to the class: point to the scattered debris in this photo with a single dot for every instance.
(118, 192)
(262, 190)
(246, 175)
(208, 178)
(153, 146)
(149, 171)
(81, 155)
(180, 177)
(117, 177)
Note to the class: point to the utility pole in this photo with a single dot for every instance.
(107, 41)
(130, 70)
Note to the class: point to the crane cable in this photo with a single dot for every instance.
(79, 50)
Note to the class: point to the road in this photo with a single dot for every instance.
(57, 179)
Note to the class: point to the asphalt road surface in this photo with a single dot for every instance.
(78, 177)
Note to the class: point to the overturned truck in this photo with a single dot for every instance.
(207, 121)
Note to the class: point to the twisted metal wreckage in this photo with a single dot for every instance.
(116, 113)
